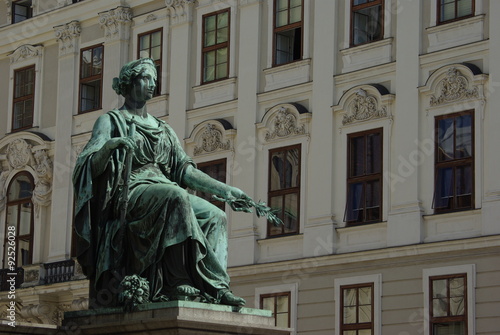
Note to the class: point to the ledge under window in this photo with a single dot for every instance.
(286, 75)
(456, 33)
(367, 55)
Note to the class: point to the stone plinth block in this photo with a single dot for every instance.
(174, 317)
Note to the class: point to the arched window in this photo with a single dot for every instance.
(19, 221)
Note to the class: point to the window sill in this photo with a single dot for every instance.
(460, 32)
(367, 55)
(214, 92)
(281, 248)
(286, 75)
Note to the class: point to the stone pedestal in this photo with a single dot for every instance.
(175, 317)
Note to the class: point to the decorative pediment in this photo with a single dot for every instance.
(364, 103)
(116, 23)
(453, 83)
(180, 11)
(24, 52)
(283, 121)
(210, 137)
(26, 151)
(67, 35)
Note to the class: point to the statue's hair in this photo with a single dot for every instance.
(129, 71)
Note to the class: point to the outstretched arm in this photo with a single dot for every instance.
(200, 181)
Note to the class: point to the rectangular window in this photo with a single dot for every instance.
(150, 46)
(284, 189)
(367, 21)
(287, 31)
(357, 309)
(21, 10)
(448, 304)
(452, 10)
(454, 162)
(215, 50)
(23, 102)
(217, 170)
(364, 177)
(279, 305)
(91, 64)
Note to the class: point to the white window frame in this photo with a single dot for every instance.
(293, 288)
(376, 280)
(470, 271)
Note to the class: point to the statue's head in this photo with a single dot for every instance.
(130, 71)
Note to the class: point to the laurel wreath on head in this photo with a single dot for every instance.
(261, 208)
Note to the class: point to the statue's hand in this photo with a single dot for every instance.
(117, 142)
(242, 201)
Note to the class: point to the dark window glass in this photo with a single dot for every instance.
(356, 309)
(91, 69)
(284, 189)
(364, 180)
(21, 10)
(452, 10)
(279, 305)
(150, 46)
(367, 21)
(215, 50)
(19, 222)
(24, 94)
(287, 31)
(454, 162)
(448, 305)
(217, 170)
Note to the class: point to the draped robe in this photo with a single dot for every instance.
(170, 237)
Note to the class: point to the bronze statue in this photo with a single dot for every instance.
(133, 215)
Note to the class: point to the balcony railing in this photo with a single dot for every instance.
(58, 272)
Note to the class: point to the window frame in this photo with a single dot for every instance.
(219, 204)
(158, 62)
(288, 27)
(357, 326)
(18, 203)
(447, 319)
(285, 191)
(365, 177)
(23, 98)
(275, 296)
(22, 3)
(355, 8)
(439, 6)
(91, 78)
(454, 163)
(217, 46)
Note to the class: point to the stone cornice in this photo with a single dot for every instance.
(116, 23)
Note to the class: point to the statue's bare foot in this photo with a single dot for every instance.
(230, 299)
(187, 291)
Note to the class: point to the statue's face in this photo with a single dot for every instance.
(143, 85)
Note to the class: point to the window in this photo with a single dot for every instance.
(287, 31)
(367, 21)
(364, 177)
(24, 93)
(452, 10)
(448, 304)
(279, 305)
(284, 189)
(357, 309)
(150, 46)
(91, 63)
(19, 220)
(217, 170)
(21, 10)
(215, 51)
(454, 162)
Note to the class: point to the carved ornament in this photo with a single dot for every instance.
(180, 11)
(149, 18)
(25, 51)
(364, 107)
(454, 87)
(211, 140)
(19, 153)
(66, 35)
(116, 23)
(284, 124)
